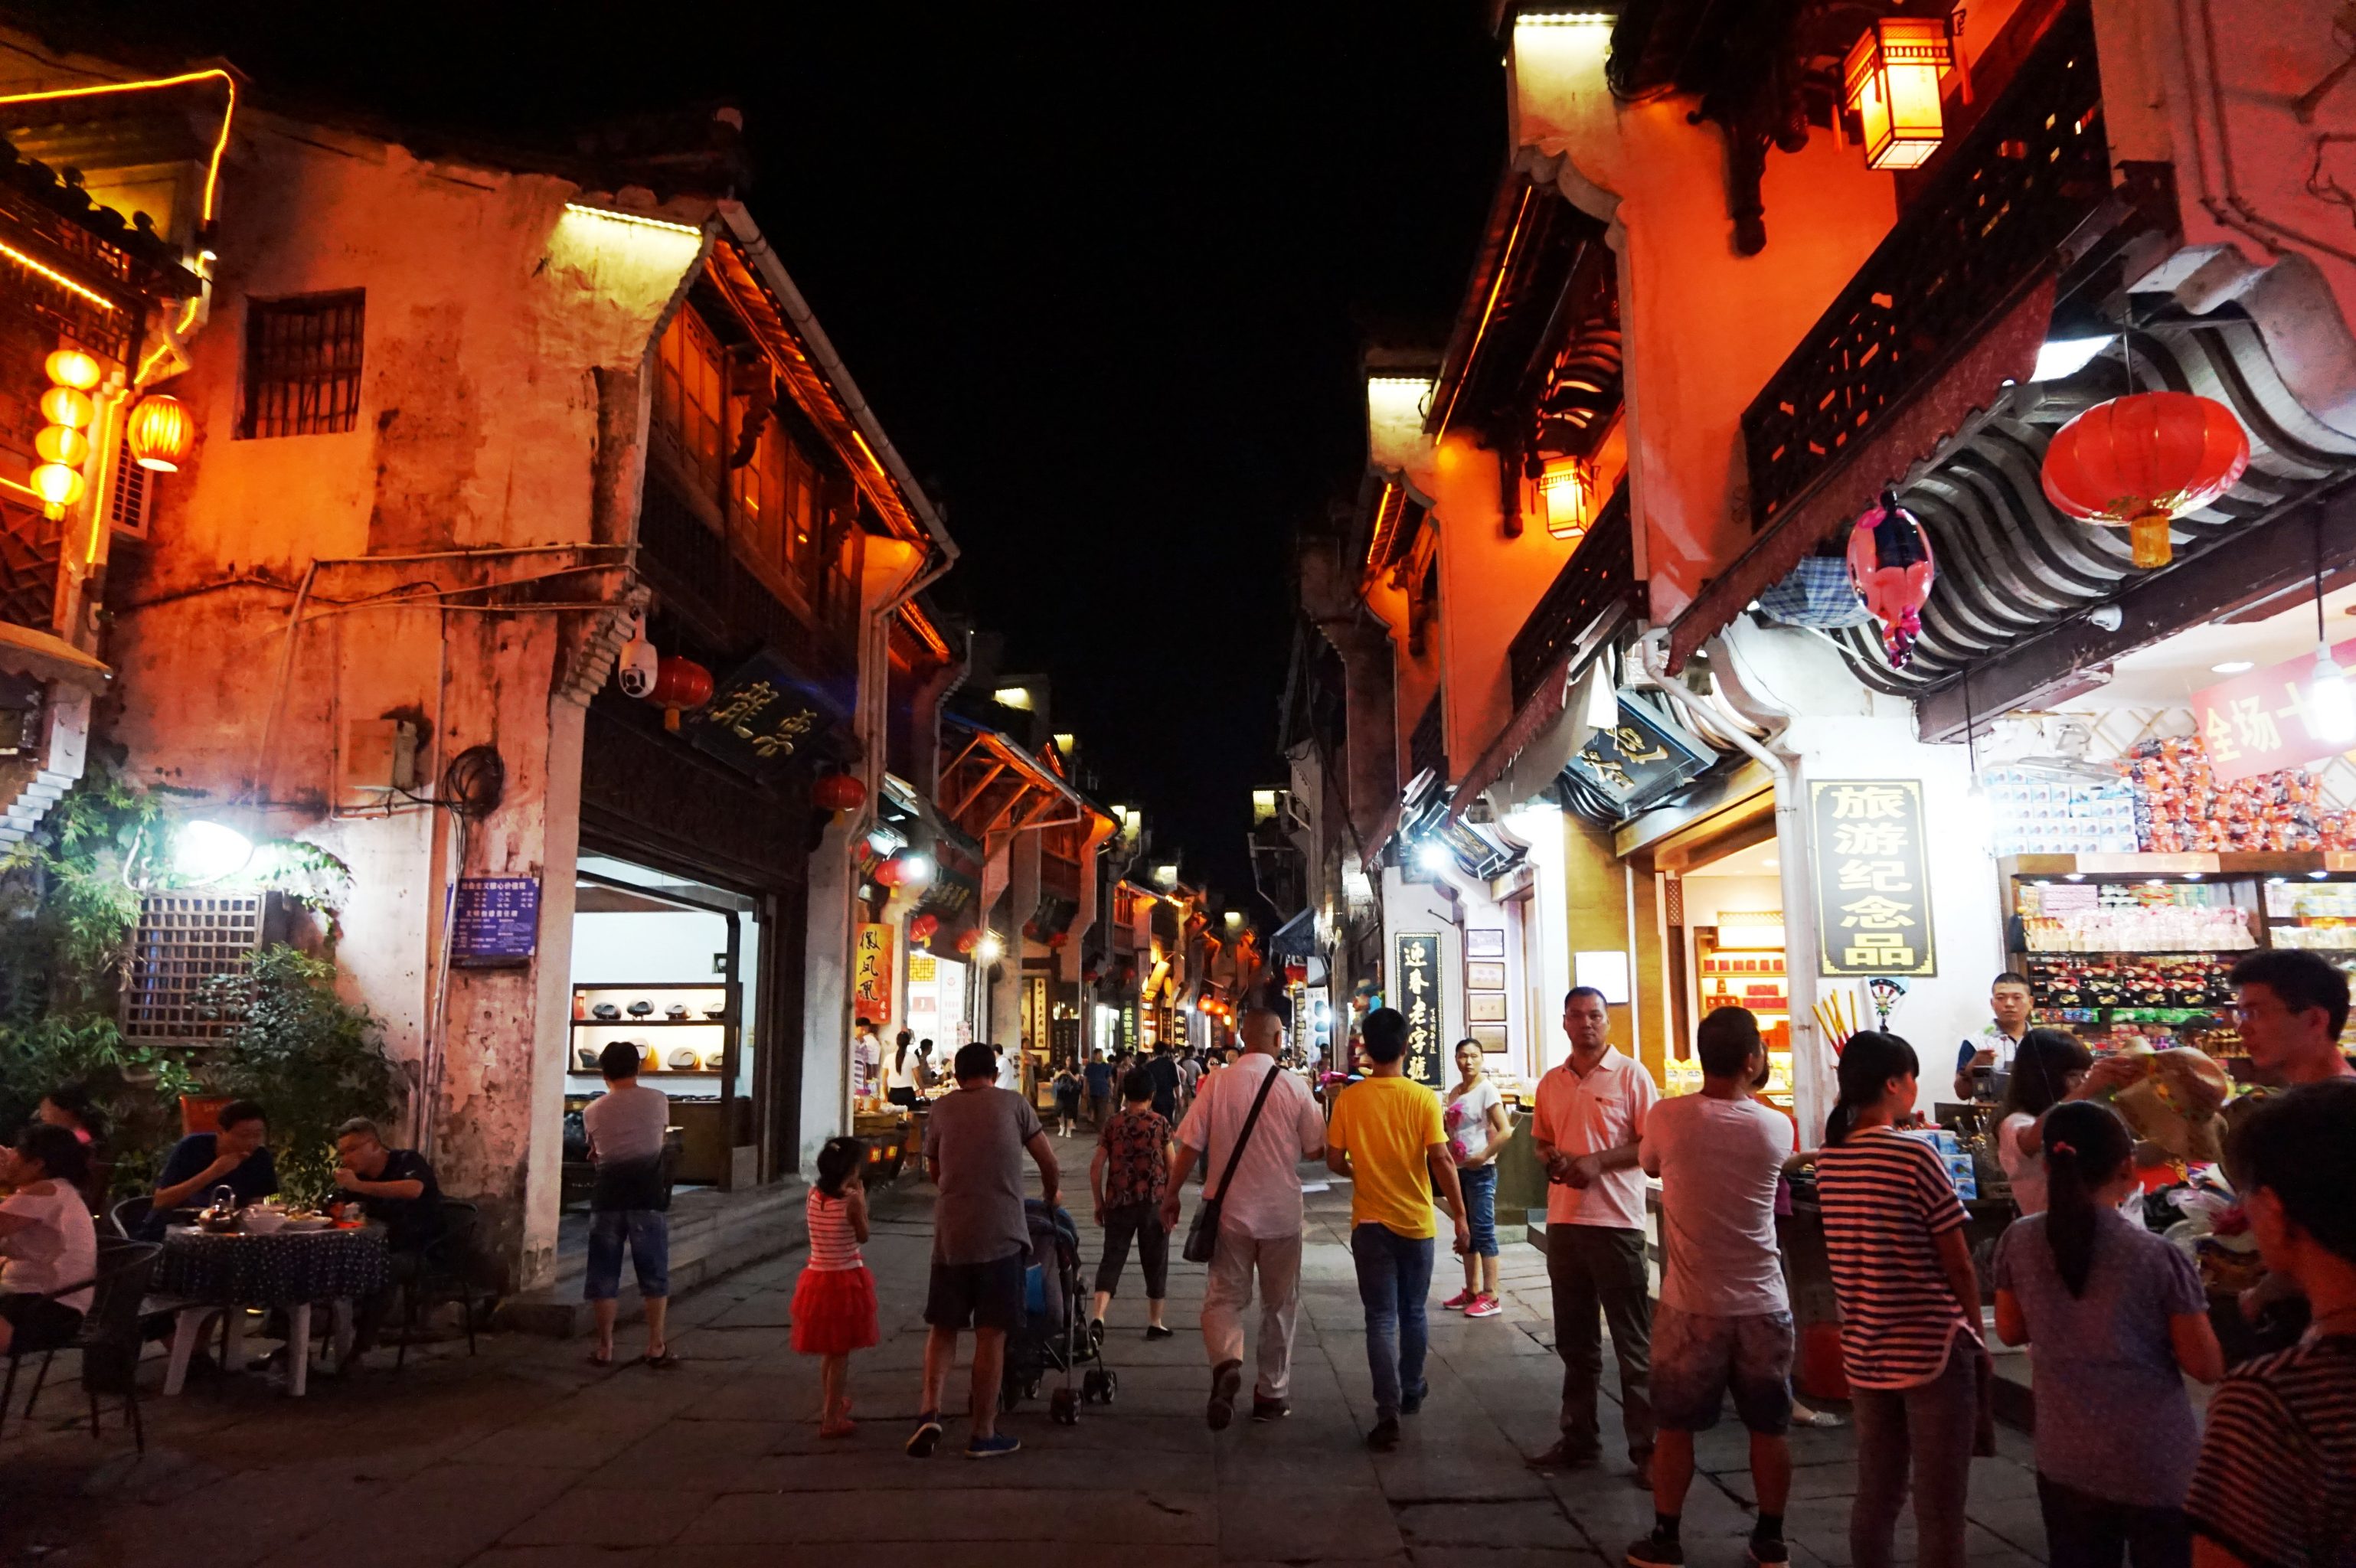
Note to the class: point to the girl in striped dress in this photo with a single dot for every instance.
(1910, 1307)
(834, 1301)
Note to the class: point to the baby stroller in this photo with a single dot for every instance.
(1054, 1336)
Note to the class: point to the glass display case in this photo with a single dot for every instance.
(680, 1031)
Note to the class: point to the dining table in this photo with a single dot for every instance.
(202, 1274)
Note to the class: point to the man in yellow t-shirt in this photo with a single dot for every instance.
(1386, 1135)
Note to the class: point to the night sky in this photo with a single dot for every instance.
(1103, 272)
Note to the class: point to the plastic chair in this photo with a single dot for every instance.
(130, 1215)
(445, 1271)
(110, 1340)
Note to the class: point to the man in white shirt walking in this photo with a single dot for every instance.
(1590, 1116)
(1259, 1214)
(1724, 1324)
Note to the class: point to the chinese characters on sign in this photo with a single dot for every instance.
(1640, 759)
(760, 721)
(1417, 981)
(1873, 885)
(496, 922)
(2257, 723)
(870, 995)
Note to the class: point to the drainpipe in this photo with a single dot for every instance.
(1800, 953)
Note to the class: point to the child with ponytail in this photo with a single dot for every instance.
(2118, 1318)
(834, 1301)
(1910, 1307)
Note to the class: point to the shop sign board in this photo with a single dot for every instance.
(1417, 979)
(1873, 883)
(762, 719)
(495, 922)
(2258, 722)
(871, 996)
(1640, 759)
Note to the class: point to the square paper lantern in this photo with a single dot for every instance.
(1891, 80)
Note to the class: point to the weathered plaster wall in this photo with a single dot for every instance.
(1703, 327)
(492, 318)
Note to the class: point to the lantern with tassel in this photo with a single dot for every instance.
(838, 792)
(921, 928)
(2142, 461)
(1889, 560)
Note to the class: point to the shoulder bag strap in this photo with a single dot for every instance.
(1250, 1120)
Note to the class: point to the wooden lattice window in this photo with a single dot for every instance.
(303, 364)
(690, 400)
(183, 942)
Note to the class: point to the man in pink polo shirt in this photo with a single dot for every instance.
(1588, 1120)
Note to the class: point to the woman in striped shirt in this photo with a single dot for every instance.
(1909, 1305)
(2276, 1484)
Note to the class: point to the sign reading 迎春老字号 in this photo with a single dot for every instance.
(1417, 979)
(1641, 757)
(1873, 882)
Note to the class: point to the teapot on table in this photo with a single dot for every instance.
(220, 1217)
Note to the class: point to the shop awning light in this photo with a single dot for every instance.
(2062, 358)
(2234, 666)
(988, 948)
(1890, 81)
(1432, 855)
(2331, 706)
(635, 219)
(916, 870)
(1762, 933)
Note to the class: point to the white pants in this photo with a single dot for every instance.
(1229, 1291)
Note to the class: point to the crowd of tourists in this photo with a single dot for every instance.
(2117, 1316)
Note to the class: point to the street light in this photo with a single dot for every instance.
(1432, 855)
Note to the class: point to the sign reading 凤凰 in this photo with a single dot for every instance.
(1420, 999)
(1873, 883)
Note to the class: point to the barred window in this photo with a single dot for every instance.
(302, 365)
(688, 401)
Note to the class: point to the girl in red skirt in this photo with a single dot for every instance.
(834, 1303)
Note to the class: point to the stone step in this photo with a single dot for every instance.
(713, 1234)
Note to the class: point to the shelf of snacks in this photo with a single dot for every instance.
(696, 1021)
(1743, 977)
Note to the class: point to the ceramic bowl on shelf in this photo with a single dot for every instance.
(715, 1059)
(605, 1010)
(682, 1060)
(642, 1008)
(584, 1058)
(676, 1011)
(718, 1009)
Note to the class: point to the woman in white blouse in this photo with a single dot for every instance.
(47, 1241)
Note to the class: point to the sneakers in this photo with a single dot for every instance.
(1412, 1400)
(1265, 1409)
(1460, 1301)
(996, 1447)
(1652, 1551)
(1386, 1435)
(1227, 1382)
(1769, 1552)
(926, 1437)
(1483, 1306)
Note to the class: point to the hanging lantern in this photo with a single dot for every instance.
(1891, 82)
(1055, 943)
(838, 792)
(890, 874)
(59, 486)
(72, 368)
(2142, 461)
(1567, 489)
(57, 444)
(160, 433)
(67, 406)
(968, 942)
(680, 683)
(1890, 562)
(921, 928)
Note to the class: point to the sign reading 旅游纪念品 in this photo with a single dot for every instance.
(1420, 999)
(1873, 883)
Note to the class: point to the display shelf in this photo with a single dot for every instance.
(650, 1023)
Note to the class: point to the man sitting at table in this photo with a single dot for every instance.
(394, 1187)
(237, 1158)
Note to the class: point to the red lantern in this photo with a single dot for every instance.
(1297, 974)
(891, 874)
(680, 683)
(838, 792)
(1055, 943)
(2142, 461)
(968, 942)
(1890, 562)
(921, 929)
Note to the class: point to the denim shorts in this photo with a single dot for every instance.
(1698, 1359)
(648, 1232)
(1480, 1184)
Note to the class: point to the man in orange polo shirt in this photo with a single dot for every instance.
(1588, 1119)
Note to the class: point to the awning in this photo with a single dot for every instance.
(24, 651)
(1296, 938)
(992, 786)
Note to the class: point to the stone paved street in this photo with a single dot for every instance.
(527, 1455)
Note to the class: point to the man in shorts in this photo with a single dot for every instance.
(1724, 1324)
(974, 1142)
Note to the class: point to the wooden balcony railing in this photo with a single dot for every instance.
(2032, 171)
(31, 548)
(1600, 577)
